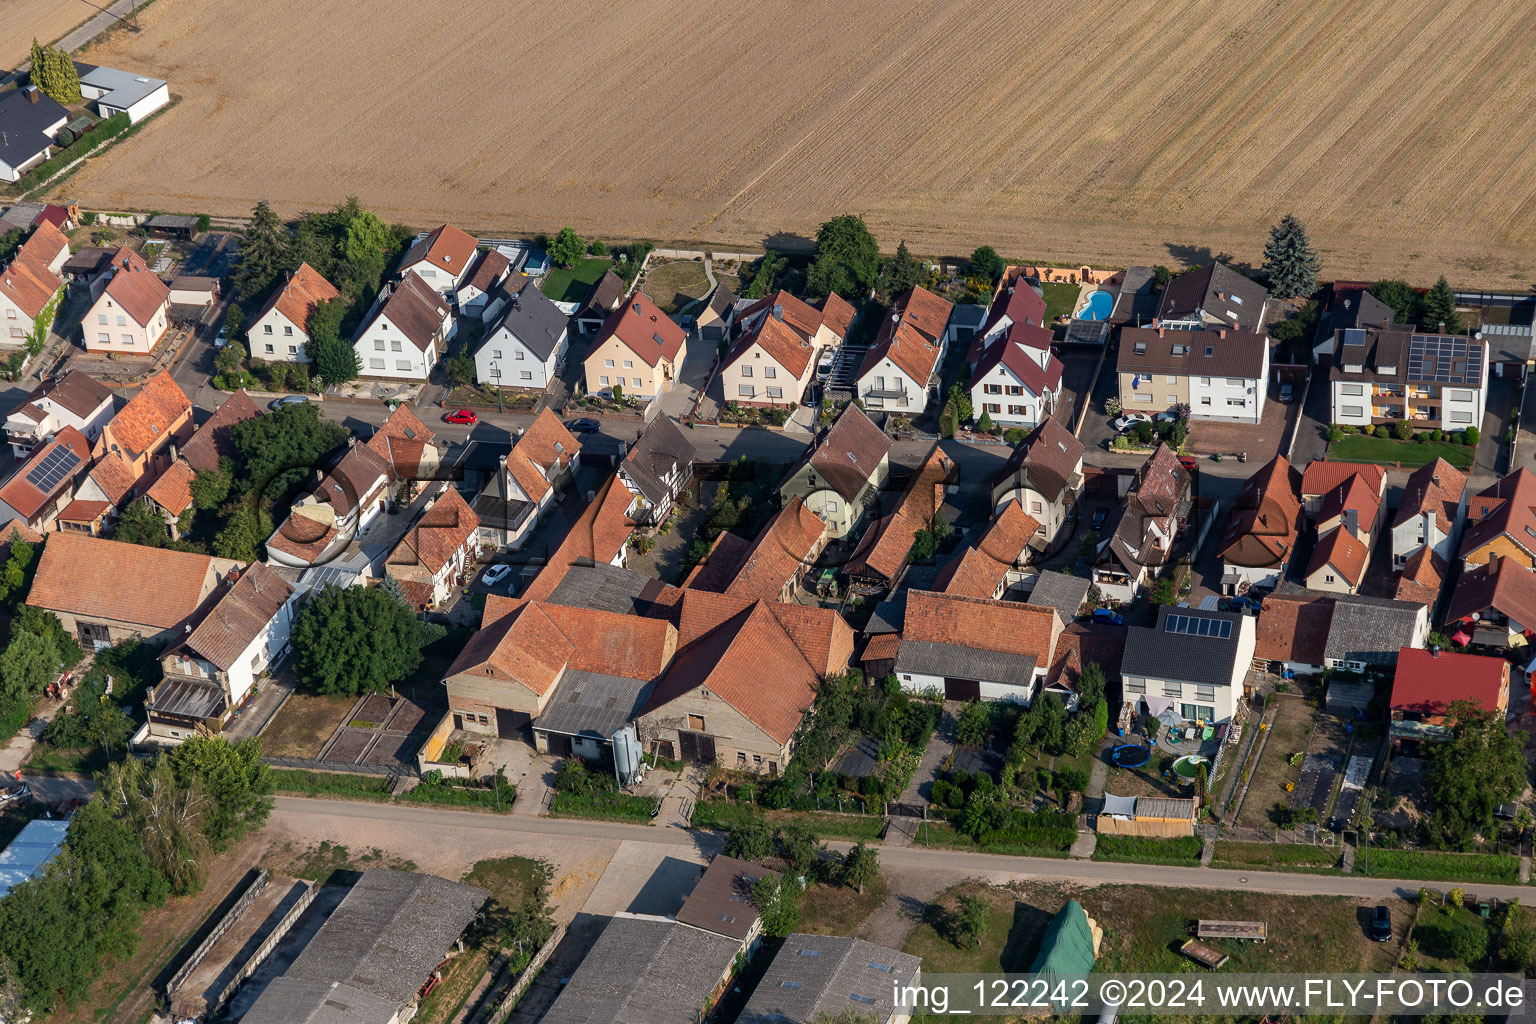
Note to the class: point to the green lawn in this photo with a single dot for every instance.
(1060, 299)
(1389, 450)
(357, 787)
(1142, 850)
(572, 285)
(1438, 866)
(1275, 856)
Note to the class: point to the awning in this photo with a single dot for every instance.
(1157, 705)
(1119, 806)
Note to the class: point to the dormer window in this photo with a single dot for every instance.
(1141, 348)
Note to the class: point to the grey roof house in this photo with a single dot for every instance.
(841, 471)
(718, 315)
(657, 469)
(1214, 295)
(1368, 631)
(815, 975)
(28, 122)
(1192, 665)
(647, 970)
(1057, 590)
(366, 963)
(526, 343)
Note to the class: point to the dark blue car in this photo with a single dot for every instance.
(1108, 615)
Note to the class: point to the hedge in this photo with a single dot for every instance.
(603, 806)
(1436, 866)
(367, 787)
(111, 128)
(1183, 850)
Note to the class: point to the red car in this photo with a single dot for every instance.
(462, 416)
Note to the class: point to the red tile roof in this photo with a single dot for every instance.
(1501, 585)
(1435, 488)
(836, 314)
(784, 346)
(1428, 684)
(29, 284)
(401, 441)
(1507, 508)
(978, 571)
(145, 423)
(1018, 301)
(21, 495)
(446, 247)
(438, 535)
(1267, 512)
(734, 660)
(1007, 627)
(798, 313)
(644, 330)
(1342, 550)
(1421, 577)
(884, 548)
(140, 293)
(594, 539)
(213, 440)
(788, 544)
(82, 511)
(909, 335)
(297, 299)
(87, 576)
(1354, 494)
(173, 491)
(114, 476)
(546, 443)
(1294, 628)
(45, 244)
(1320, 476)
(239, 616)
(1014, 353)
(822, 635)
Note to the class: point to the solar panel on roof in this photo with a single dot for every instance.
(1354, 336)
(52, 468)
(1192, 625)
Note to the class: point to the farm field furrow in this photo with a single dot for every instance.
(1145, 132)
(44, 20)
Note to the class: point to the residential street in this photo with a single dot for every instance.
(336, 818)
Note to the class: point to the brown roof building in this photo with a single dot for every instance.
(772, 565)
(442, 258)
(976, 648)
(81, 579)
(885, 546)
(1494, 604)
(1003, 548)
(897, 369)
(214, 439)
(1501, 520)
(1261, 533)
(46, 482)
(435, 552)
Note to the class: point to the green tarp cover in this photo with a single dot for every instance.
(1067, 946)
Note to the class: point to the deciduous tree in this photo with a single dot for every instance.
(141, 523)
(861, 866)
(987, 265)
(234, 777)
(355, 640)
(567, 248)
(1405, 302)
(970, 921)
(1480, 767)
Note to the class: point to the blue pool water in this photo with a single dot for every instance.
(1099, 306)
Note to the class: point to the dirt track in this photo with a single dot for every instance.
(1157, 132)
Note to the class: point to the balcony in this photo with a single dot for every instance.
(885, 393)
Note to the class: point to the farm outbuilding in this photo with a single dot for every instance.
(1159, 817)
(172, 225)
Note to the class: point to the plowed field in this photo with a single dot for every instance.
(1149, 132)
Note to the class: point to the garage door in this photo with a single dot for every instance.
(714, 333)
(510, 723)
(962, 689)
(696, 746)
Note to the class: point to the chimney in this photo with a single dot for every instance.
(33, 95)
(637, 309)
(1159, 332)
(1442, 327)
(1434, 650)
(1221, 332)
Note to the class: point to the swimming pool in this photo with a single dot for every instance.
(1098, 307)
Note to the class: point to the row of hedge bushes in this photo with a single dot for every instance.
(1404, 431)
(111, 128)
(1437, 866)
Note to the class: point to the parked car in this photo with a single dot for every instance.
(1099, 515)
(583, 426)
(1188, 462)
(1381, 924)
(1108, 615)
(495, 574)
(468, 416)
(222, 339)
(1129, 420)
(824, 368)
(1166, 417)
(287, 400)
(1285, 392)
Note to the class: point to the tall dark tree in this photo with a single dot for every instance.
(1440, 308)
(355, 640)
(234, 776)
(142, 523)
(847, 259)
(987, 265)
(1398, 294)
(275, 450)
(900, 272)
(335, 361)
(263, 252)
(1290, 262)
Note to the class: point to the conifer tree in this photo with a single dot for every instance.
(1440, 308)
(1290, 262)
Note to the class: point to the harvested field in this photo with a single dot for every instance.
(43, 20)
(1153, 133)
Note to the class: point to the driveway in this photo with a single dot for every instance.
(692, 376)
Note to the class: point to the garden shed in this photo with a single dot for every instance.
(1070, 943)
(1158, 817)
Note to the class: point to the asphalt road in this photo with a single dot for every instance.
(993, 867)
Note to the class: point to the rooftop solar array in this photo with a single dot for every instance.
(1191, 625)
(52, 468)
(1444, 359)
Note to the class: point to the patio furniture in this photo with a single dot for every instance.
(1175, 735)
(1208, 732)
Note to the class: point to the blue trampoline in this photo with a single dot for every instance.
(1130, 755)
